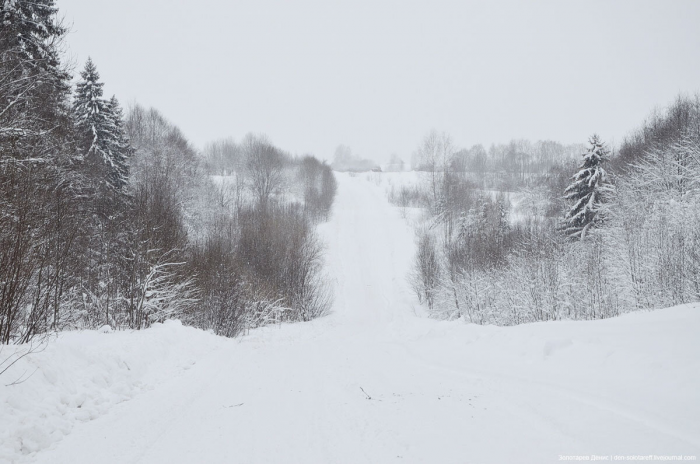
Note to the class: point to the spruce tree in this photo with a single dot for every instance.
(97, 130)
(40, 215)
(32, 26)
(587, 190)
(121, 149)
(105, 149)
(34, 87)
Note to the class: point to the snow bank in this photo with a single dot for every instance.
(80, 375)
(642, 368)
(439, 392)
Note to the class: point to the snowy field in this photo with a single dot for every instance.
(375, 382)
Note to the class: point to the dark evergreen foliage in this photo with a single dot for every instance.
(587, 192)
(39, 216)
(100, 130)
(34, 87)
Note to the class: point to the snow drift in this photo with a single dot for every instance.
(81, 375)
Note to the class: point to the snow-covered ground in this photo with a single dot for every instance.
(82, 375)
(374, 382)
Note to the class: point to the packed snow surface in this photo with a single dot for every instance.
(375, 382)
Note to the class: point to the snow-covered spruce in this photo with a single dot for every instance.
(588, 190)
(100, 129)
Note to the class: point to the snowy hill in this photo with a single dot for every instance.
(374, 382)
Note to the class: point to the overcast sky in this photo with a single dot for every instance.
(377, 75)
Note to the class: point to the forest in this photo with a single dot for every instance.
(112, 218)
(597, 232)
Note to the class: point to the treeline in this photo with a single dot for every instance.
(506, 167)
(108, 218)
(303, 180)
(344, 160)
(586, 245)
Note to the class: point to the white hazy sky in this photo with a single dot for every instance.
(378, 74)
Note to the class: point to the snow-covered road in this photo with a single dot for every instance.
(376, 383)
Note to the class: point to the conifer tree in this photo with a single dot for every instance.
(100, 131)
(34, 87)
(92, 116)
(39, 217)
(32, 26)
(587, 190)
(121, 147)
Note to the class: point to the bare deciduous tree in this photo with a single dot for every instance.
(264, 164)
